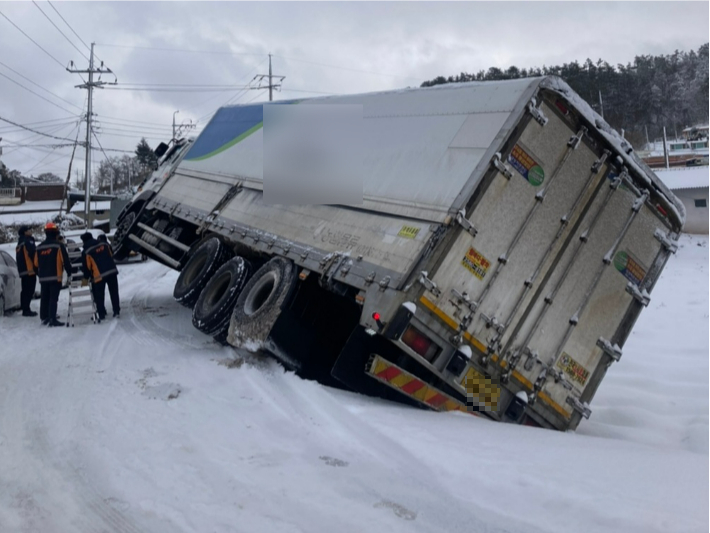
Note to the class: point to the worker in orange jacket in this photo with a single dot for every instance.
(25, 257)
(51, 261)
(97, 264)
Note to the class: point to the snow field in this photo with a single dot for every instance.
(143, 424)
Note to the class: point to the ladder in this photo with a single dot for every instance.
(81, 299)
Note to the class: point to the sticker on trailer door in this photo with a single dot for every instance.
(576, 372)
(630, 267)
(475, 263)
(526, 166)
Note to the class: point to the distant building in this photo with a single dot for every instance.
(99, 213)
(690, 185)
(42, 192)
(690, 149)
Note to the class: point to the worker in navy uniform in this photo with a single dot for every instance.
(51, 261)
(25, 259)
(97, 264)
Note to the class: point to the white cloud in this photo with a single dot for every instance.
(410, 42)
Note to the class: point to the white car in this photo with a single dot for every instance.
(10, 285)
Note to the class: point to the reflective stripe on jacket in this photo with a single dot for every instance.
(51, 259)
(98, 261)
(24, 256)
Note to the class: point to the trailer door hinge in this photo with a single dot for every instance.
(580, 407)
(465, 223)
(639, 294)
(536, 113)
(612, 350)
(668, 244)
(429, 284)
(465, 300)
(599, 162)
(492, 322)
(574, 141)
(500, 166)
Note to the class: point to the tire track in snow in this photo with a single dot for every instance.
(146, 331)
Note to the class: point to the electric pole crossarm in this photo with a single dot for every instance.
(271, 86)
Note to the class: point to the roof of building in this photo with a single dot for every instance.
(685, 178)
(94, 206)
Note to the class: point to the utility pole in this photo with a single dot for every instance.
(601, 104)
(271, 86)
(89, 86)
(665, 148)
(175, 113)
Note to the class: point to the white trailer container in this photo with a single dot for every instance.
(507, 241)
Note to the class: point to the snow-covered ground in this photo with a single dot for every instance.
(143, 424)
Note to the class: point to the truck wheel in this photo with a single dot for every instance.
(260, 303)
(203, 263)
(121, 244)
(214, 306)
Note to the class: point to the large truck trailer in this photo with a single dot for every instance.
(506, 243)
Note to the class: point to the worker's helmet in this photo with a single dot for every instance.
(50, 226)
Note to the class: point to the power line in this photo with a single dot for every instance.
(237, 95)
(38, 85)
(180, 50)
(132, 121)
(118, 125)
(178, 89)
(36, 94)
(60, 31)
(33, 131)
(69, 25)
(31, 39)
(12, 129)
(156, 136)
(212, 85)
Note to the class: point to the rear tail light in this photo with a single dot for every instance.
(420, 343)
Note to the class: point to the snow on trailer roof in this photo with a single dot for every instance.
(685, 178)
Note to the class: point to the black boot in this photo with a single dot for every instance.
(55, 323)
(29, 312)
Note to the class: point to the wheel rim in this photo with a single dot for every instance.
(260, 293)
(124, 226)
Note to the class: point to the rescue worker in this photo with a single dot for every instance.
(25, 259)
(97, 264)
(51, 261)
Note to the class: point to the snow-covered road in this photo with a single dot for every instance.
(143, 424)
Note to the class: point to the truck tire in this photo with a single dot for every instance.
(213, 308)
(121, 246)
(203, 263)
(260, 302)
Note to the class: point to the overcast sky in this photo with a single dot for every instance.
(377, 46)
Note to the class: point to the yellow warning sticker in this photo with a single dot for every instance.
(408, 232)
(475, 263)
(480, 390)
(576, 372)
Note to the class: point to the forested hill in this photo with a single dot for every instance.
(653, 91)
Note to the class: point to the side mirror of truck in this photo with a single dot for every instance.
(160, 150)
